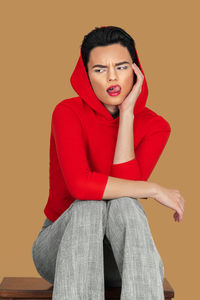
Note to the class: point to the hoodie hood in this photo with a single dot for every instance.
(81, 84)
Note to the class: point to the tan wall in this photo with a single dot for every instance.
(40, 43)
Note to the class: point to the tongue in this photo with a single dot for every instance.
(114, 90)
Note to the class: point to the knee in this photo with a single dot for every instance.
(127, 209)
(89, 206)
(89, 211)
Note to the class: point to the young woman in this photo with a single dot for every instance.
(104, 145)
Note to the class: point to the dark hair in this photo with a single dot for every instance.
(107, 35)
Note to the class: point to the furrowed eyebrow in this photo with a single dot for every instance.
(118, 64)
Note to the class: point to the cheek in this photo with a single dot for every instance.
(97, 85)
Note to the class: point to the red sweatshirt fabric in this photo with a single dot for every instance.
(82, 145)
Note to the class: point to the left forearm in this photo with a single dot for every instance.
(124, 150)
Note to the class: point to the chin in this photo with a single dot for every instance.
(115, 100)
(109, 100)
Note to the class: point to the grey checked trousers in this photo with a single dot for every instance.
(94, 242)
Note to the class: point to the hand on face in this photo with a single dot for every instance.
(128, 104)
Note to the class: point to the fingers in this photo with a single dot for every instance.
(137, 70)
(180, 200)
(176, 218)
(179, 211)
(140, 76)
(181, 204)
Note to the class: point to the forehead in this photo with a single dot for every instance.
(114, 52)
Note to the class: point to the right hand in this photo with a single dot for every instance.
(129, 102)
(173, 199)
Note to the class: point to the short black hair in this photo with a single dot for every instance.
(107, 35)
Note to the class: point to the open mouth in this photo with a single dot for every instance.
(114, 90)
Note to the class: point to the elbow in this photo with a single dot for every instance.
(78, 189)
(89, 187)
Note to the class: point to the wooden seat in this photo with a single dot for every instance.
(38, 288)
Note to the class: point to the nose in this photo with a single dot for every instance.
(112, 75)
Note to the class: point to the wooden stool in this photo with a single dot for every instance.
(38, 288)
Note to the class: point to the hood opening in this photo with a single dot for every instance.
(81, 84)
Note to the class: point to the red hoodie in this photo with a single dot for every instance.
(82, 145)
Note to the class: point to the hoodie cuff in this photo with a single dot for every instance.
(127, 170)
(94, 187)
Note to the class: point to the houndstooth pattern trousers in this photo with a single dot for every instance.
(98, 242)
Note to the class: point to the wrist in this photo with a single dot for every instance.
(156, 188)
(126, 115)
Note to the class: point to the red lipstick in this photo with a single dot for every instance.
(114, 90)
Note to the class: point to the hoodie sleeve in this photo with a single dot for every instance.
(147, 153)
(82, 183)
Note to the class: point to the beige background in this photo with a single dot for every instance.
(40, 44)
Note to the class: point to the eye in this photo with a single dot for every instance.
(98, 70)
(122, 67)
